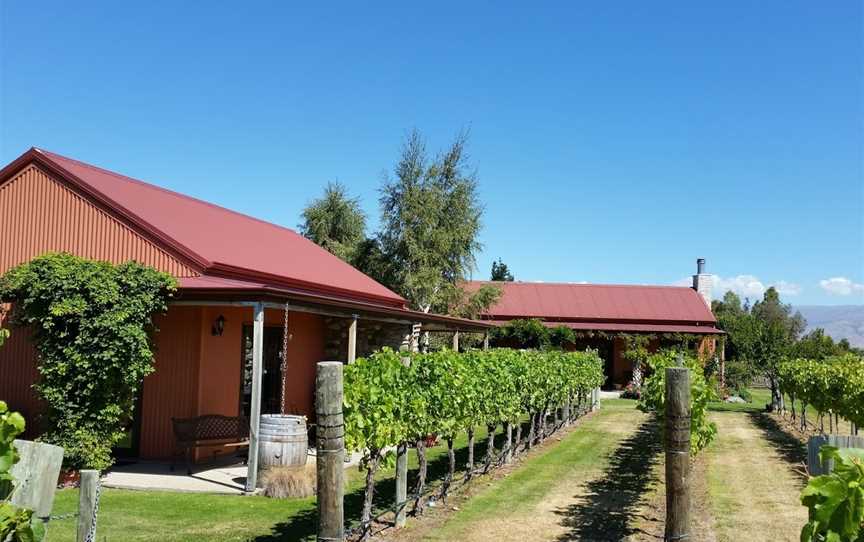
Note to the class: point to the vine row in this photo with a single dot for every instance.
(395, 399)
(833, 386)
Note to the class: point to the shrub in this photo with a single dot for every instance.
(529, 333)
(702, 392)
(631, 392)
(91, 325)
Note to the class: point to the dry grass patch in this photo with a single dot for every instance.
(287, 482)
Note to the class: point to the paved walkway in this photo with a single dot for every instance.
(227, 478)
(151, 475)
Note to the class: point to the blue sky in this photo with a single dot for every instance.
(615, 142)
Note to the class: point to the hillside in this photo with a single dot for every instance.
(839, 321)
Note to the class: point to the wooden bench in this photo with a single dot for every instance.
(207, 430)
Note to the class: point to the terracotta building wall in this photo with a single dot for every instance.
(42, 214)
(305, 350)
(219, 365)
(172, 390)
(18, 373)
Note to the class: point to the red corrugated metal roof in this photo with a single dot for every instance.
(639, 328)
(598, 302)
(220, 241)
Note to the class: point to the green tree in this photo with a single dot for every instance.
(473, 304)
(430, 217)
(778, 330)
(500, 272)
(336, 222)
(817, 346)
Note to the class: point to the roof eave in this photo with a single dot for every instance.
(276, 294)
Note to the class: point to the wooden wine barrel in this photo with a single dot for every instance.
(283, 440)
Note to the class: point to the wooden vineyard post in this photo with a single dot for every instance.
(36, 471)
(401, 484)
(401, 496)
(330, 451)
(677, 446)
(88, 501)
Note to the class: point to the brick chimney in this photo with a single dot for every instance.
(702, 281)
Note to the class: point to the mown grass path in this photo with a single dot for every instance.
(753, 479)
(566, 491)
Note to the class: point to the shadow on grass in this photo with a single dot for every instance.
(304, 524)
(605, 512)
(790, 448)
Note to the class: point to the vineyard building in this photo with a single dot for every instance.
(237, 275)
(604, 316)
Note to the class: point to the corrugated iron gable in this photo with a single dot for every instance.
(41, 213)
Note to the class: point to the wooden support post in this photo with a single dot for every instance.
(456, 341)
(352, 340)
(330, 451)
(401, 498)
(401, 508)
(37, 471)
(255, 410)
(677, 454)
(87, 505)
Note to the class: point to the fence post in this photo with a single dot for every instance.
(677, 453)
(401, 497)
(36, 475)
(88, 502)
(814, 444)
(330, 451)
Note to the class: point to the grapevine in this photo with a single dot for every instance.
(445, 393)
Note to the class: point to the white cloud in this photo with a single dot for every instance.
(746, 286)
(743, 285)
(841, 286)
(788, 288)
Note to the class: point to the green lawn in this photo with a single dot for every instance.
(168, 516)
(761, 397)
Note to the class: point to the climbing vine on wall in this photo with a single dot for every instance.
(92, 328)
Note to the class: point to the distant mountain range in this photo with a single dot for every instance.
(839, 321)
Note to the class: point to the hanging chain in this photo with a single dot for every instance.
(284, 359)
(91, 532)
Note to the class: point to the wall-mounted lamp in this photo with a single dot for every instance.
(218, 326)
